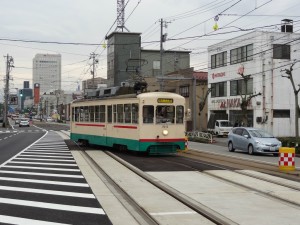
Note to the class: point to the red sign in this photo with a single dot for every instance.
(36, 93)
(214, 75)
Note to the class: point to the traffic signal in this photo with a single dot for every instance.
(21, 93)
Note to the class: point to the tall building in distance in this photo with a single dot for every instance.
(47, 71)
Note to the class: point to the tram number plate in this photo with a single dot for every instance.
(272, 148)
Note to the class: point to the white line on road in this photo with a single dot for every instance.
(45, 182)
(47, 192)
(42, 174)
(52, 206)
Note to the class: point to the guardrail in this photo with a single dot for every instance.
(199, 134)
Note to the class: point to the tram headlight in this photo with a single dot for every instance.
(165, 132)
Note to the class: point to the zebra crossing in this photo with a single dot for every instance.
(43, 185)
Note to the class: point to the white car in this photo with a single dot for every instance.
(50, 119)
(24, 122)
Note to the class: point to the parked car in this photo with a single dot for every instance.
(17, 120)
(50, 119)
(24, 122)
(253, 141)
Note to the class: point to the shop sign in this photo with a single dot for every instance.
(215, 75)
(229, 103)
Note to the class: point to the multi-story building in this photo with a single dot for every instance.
(261, 58)
(47, 71)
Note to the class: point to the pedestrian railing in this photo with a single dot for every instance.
(199, 134)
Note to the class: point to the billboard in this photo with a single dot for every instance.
(36, 93)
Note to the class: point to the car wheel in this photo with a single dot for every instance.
(250, 150)
(230, 147)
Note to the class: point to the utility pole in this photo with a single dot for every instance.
(163, 38)
(9, 65)
(95, 61)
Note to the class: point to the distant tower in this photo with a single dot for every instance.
(121, 16)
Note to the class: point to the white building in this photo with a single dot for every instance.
(47, 71)
(264, 56)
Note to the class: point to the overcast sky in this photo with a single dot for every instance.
(88, 21)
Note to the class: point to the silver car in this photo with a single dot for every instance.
(253, 141)
(24, 122)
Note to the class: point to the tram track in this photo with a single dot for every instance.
(231, 165)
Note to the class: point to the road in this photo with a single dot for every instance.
(40, 182)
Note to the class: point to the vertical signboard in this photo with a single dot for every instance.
(36, 93)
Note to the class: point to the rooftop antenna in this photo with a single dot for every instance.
(121, 16)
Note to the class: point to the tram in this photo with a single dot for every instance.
(152, 122)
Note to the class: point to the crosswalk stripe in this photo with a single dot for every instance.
(45, 182)
(42, 163)
(54, 206)
(46, 156)
(59, 160)
(42, 174)
(40, 168)
(47, 153)
(48, 192)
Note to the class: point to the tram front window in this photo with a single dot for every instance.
(165, 114)
(148, 113)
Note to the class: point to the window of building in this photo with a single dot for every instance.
(156, 65)
(281, 113)
(184, 91)
(241, 54)
(219, 60)
(238, 87)
(219, 89)
(281, 51)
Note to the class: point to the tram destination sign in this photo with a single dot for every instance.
(165, 100)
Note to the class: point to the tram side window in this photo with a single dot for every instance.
(179, 114)
(127, 112)
(76, 113)
(148, 113)
(115, 113)
(109, 114)
(135, 113)
(86, 113)
(102, 113)
(120, 113)
(81, 114)
(165, 114)
(97, 113)
(91, 113)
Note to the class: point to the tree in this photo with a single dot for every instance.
(203, 101)
(296, 91)
(246, 99)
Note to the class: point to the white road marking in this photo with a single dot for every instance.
(54, 206)
(47, 192)
(46, 156)
(172, 213)
(59, 160)
(24, 221)
(40, 168)
(42, 174)
(47, 153)
(45, 182)
(42, 163)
